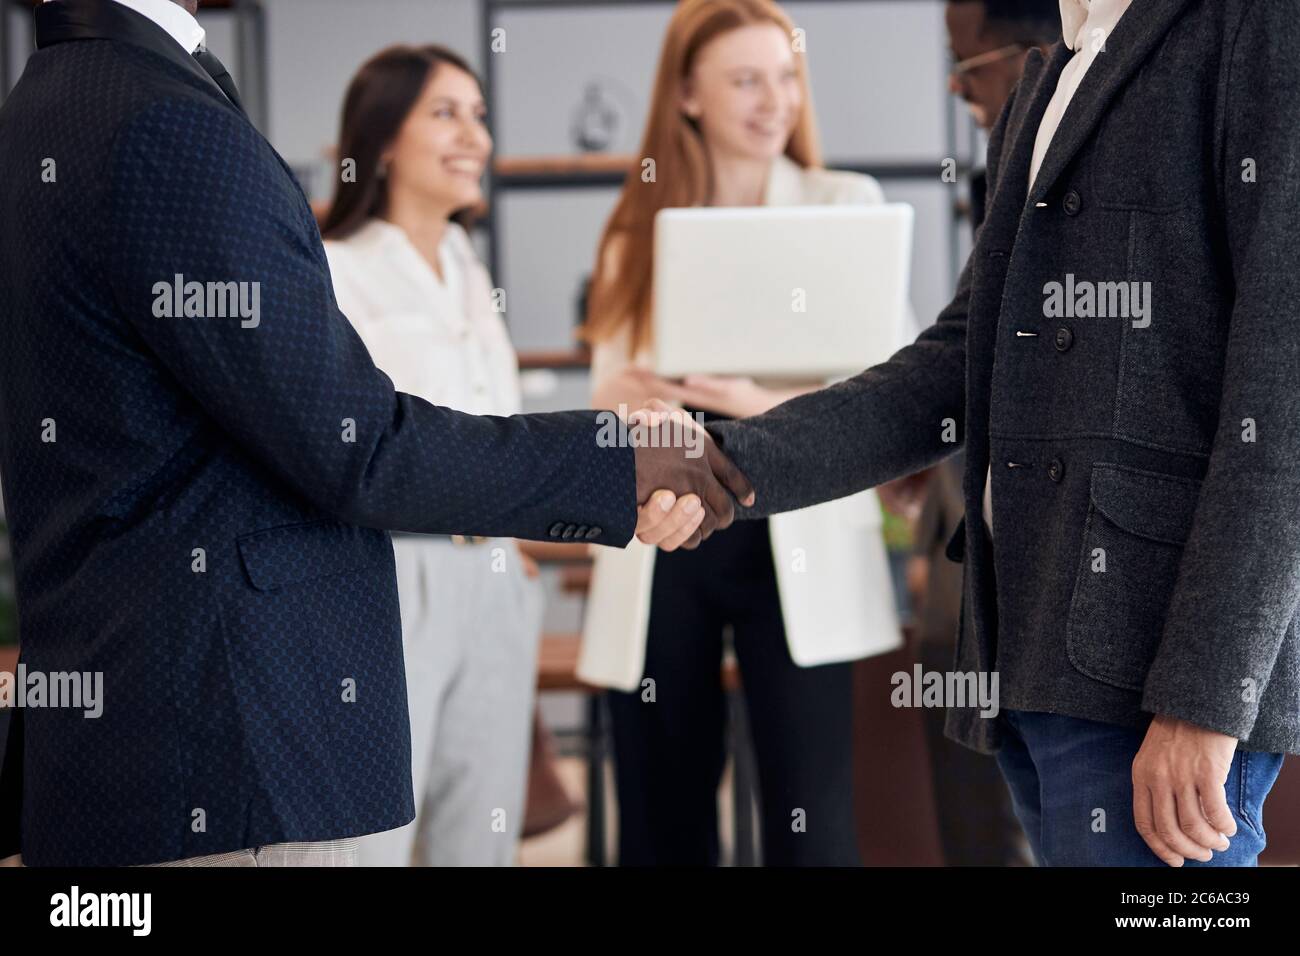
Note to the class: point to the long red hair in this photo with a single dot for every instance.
(621, 284)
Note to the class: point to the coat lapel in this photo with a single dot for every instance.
(1039, 79)
(69, 20)
(1002, 222)
(1134, 37)
(784, 183)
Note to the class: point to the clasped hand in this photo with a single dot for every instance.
(684, 489)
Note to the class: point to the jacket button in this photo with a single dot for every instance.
(556, 529)
(593, 532)
(580, 531)
(1056, 470)
(1064, 339)
(568, 531)
(1073, 203)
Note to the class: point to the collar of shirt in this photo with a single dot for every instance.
(383, 237)
(172, 17)
(1080, 18)
(384, 243)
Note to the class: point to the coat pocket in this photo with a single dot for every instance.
(275, 558)
(1137, 524)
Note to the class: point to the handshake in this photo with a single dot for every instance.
(682, 498)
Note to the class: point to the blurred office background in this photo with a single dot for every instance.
(573, 82)
(567, 86)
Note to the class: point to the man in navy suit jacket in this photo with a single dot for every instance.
(198, 456)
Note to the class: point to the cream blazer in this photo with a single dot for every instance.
(832, 569)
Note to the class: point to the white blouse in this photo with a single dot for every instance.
(440, 339)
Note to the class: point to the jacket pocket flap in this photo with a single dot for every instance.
(1146, 503)
(289, 554)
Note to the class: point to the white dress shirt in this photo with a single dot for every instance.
(172, 17)
(1085, 27)
(438, 338)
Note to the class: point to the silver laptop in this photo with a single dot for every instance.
(800, 292)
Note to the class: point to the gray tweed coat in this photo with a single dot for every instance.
(1124, 350)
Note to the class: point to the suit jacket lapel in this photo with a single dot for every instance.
(1134, 37)
(69, 20)
(1039, 79)
(1006, 207)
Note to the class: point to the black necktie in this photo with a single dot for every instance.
(217, 70)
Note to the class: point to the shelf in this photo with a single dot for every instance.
(552, 172)
(207, 4)
(558, 358)
(563, 165)
(592, 169)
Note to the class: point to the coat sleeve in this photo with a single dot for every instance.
(196, 192)
(883, 423)
(1239, 576)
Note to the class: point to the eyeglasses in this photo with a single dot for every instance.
(963, 68)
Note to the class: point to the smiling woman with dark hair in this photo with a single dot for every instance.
(413, 148)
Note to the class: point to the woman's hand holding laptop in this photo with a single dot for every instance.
(732, 396)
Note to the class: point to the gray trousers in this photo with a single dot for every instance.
(326, 853)
(471, 620)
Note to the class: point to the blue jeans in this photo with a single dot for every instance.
(1072, 789)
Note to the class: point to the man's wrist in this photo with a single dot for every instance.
(1175, 722)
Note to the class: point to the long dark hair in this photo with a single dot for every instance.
(379, 99)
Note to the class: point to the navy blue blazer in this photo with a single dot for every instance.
(197, 503)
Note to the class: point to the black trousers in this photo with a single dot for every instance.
(669, 752)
